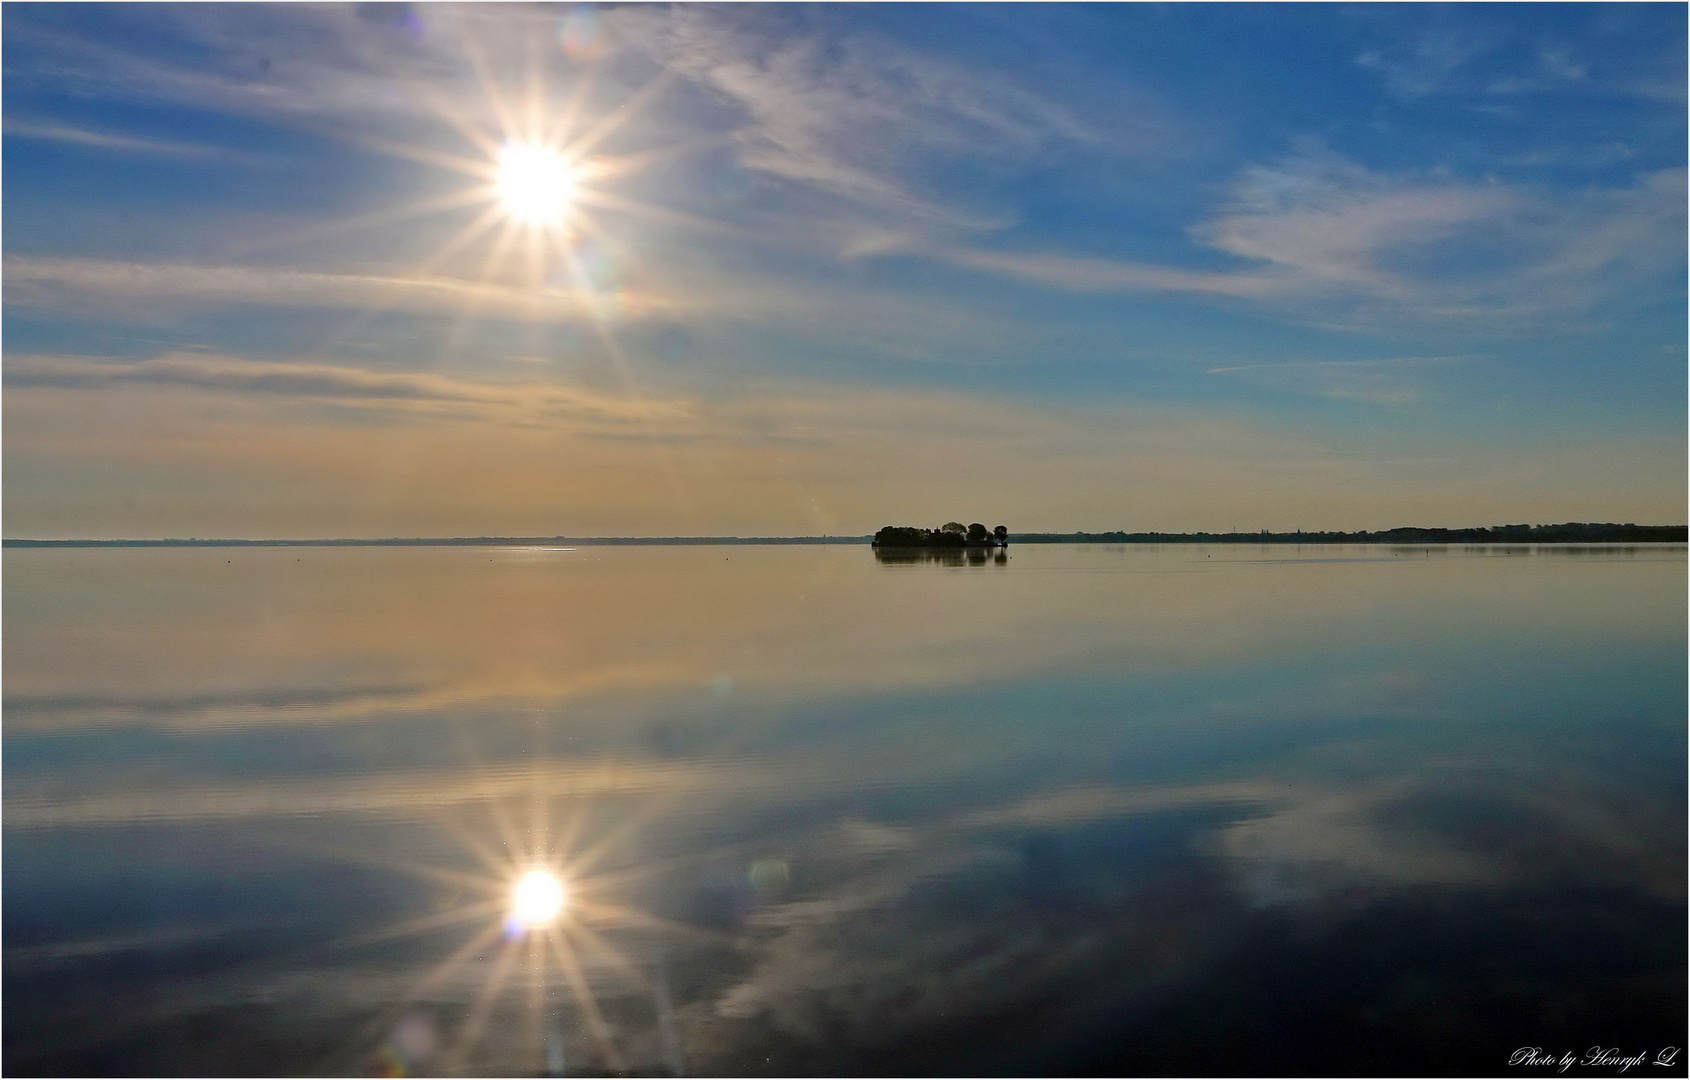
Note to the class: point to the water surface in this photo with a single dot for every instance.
(1149, 809)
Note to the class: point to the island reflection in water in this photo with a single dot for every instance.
(919, 556)
(1152, 809)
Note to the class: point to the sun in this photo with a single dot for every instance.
(538, 899)
(531, 244)
(535, 183)
(549, 924)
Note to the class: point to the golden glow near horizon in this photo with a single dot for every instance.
(538, 899)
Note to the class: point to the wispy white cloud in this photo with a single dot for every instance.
(519, 399)
(1106, 275)
(1334, 242)
(42, 809)
(1400, 380)
(237, 375)
(1445, 57)
(69, 283)
(686, 289)
(862, 118)
(1430, 62)
(1442, 249)
(126, 143)
(1321, 220)
(324, 63)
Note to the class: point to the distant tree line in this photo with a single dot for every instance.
(1573, 532)
(955, 534)
(952, 534)
(451, 541)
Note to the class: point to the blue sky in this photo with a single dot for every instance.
(831, 267)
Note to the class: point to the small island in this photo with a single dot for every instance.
(952, 534)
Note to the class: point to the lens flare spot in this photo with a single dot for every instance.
(538, 899)
(580, 34)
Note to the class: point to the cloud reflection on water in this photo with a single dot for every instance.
(857, 817)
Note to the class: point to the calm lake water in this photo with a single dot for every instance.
(1091, 810)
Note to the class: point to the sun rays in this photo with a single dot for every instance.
(531, 230)
(534, 173)
(545, 935)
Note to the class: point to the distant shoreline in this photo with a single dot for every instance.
(457, 541)
(1571, 533)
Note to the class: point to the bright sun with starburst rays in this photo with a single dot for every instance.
(545, 927)
(535, 183)
(532, 145)
(538, 899)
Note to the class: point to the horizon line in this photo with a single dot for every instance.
(824, 538)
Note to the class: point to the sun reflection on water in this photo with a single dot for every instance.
(537, 899)
(546, 926)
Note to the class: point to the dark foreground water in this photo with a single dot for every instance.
(1093, 810)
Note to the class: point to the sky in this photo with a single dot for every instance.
(496, 269)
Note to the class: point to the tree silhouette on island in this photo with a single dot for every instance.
(952, 534)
